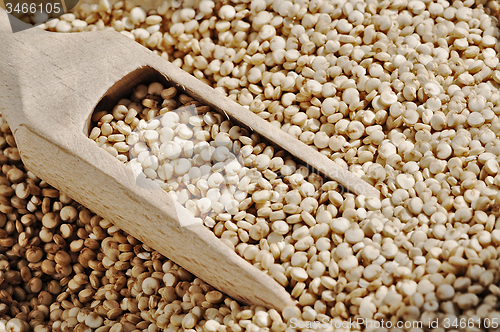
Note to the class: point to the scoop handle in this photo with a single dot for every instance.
(65, 51)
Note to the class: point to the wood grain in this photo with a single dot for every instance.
(49, 86)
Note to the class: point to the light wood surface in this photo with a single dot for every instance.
(50, 85)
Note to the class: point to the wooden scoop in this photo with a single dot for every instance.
(50, 84)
